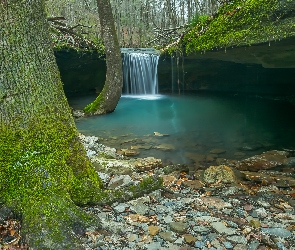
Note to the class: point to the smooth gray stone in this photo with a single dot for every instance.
(276, 231)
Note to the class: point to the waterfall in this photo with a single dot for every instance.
(140, 71)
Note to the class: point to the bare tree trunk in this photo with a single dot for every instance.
(108, 99)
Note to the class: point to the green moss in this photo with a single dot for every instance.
(96, 105)
(37, 179)
(131, 192)
(41, 174)
(241, 22)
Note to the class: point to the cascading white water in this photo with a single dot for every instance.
(140, 71)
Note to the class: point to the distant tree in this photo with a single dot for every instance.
(44, 170)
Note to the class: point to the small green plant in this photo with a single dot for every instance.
(198, 20)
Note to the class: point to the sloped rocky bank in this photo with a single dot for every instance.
(217, 208)
(246, 204)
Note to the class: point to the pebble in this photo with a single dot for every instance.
(178, 227)
(153, 230)
(222, 229)
(193, 214)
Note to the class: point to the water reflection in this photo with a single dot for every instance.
(200, 128)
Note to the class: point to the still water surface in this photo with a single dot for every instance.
(194, 124)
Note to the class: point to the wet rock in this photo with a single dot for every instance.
(260, 212)
(211, 157)
(227, 245)
(201, 229)
(232, 190)
(130, 152)
(264, 203)
(241, 247)
(145, 147)
(290, 162)
(282, 183)
(120, 208)
(168, 236)
(239, 154)
(153, 246)
(179, 241)
(267, 160)
(132, 237)
(178, 227)
(104, 177)
(137, 218)
(251, 147)
(193, 184)
(222, 229)
(153, 230)
(215, 202)
(78, 113)
(195, 157)
(144, 199)
(90, 153)
(146, 164)
(199, 244)
(88, 141)
(165, 147)
(168, 219)
(254, 223)
(292, 202)
(219, 174)
(140, 208)
(120, 181)
(161, 209)
(237, 239)
(159, 134)
(112, 166)
(188, 238)
(254, 245)
(278, 232)
(217, 151)
(207, 219)
(168, 179)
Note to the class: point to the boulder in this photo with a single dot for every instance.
(220, 175)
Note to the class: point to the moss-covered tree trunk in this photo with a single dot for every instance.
(43, 166)
(108, 99)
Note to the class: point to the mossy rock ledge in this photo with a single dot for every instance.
(245, 31)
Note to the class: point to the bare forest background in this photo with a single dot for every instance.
(139, 23)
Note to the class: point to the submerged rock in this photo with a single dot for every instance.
(159, 134)
(217, 151)
(165, 147)
(267, 160)
(129, 152)
(148, 163)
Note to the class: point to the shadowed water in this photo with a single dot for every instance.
(193, 126)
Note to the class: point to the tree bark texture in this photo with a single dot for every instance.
(108, 99)
(43, 165)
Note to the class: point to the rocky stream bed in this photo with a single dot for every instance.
(246, 204)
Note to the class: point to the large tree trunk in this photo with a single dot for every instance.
(43, 165)
(108, 99)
